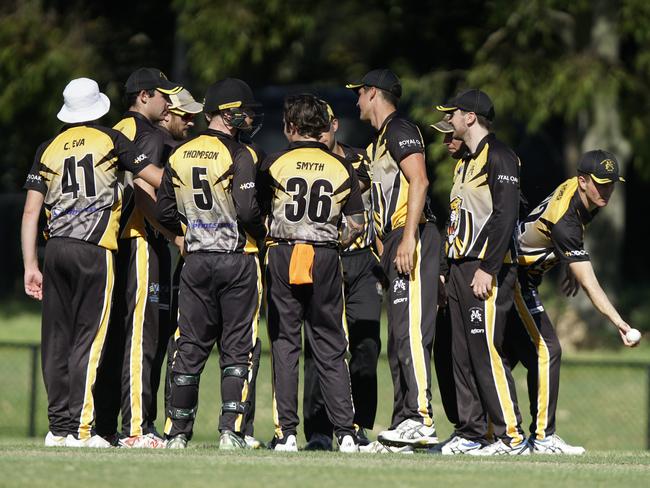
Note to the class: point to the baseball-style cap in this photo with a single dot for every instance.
(151, 79)
(384, 79)
(601, 165)
(184, 102)
(444, 126)
(83, 102)
(229, 93)
(475, 101)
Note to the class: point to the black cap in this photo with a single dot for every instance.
(601, 165)
(384, 79)
(228, 93)
(151, 79)
(470, 101)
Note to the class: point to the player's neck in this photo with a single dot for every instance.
(585, 201)
(474, 136)
(217, 123)
(338, 150)
(380, 114)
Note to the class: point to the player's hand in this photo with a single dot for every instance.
(34, 284)
(481, 284)
(179, 242)
(404, 255)
(570, 285)
(442, 293)
(623, 327)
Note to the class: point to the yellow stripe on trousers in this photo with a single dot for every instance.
(543, 363)
(276, 416)
(254, 327)
(415, 335)
(88, 409)
(137, 333)
(498, 370)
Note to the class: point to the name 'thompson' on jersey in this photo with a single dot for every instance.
(396, 139)
(209, 186)
(79, 171)
(554, 231)
(304, 191)
(484, 206)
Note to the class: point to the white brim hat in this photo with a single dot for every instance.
(83, 102)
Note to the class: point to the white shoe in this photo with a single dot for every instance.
(52, 440)
(179, 441)
(253, 443)
(555, 445)
(147, 441)
(457, 445)
(96, 442)
(289, 445)
(347, 445)
(499, 448)
(229, 441)
(409, 433)
(377, 447)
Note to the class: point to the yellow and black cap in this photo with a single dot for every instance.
(444, 126)
(383, 79)
(229, 93)
(601, 165)
(475, 101)
(151, 79)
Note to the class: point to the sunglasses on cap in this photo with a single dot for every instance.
(186, 117)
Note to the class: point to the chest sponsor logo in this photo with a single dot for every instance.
(455, 207)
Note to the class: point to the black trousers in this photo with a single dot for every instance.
(219, 302)
(362, 277)
(482, 372)
(531, 340)
(320, 307)
(411, 306)
(78, 280)
(125, 377)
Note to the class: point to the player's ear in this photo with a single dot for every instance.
(582, 182)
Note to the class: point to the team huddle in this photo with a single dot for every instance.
(314, 237)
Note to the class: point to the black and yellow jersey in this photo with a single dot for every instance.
(208, 193)
(148, 137)
(359, 161)
(554, 231)
(397, 138)
(484, 206)
(305, 190)
(80, 171)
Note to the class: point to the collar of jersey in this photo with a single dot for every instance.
(481, 145)
(583, 212)
(138, 115)
(390, 117)
(297, 144)
(214, 132)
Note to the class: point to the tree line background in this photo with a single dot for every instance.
(565, 77)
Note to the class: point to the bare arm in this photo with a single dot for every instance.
(415, 173)
(583, 272)
(28, 235)
(354, 225)
(145, 199)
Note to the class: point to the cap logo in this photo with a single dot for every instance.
(609, 165)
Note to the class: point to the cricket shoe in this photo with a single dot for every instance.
(253, 443)
(455, 445)
(52, 440)
(319, 442)
(362, 437)
(179, 441)
(288, 444)
(147, 441)
(229, 441)
(348, 444)
(377, 447)
(555, 445)
(409, 433)
(500, 448)
(95, 442)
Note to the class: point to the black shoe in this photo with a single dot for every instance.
(362, 437)
(319, 442)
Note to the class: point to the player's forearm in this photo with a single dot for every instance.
(589, 283)
(417, 195)
(28, 238)
(353, 229)
(145, 200)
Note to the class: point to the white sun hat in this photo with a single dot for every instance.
(83, 102)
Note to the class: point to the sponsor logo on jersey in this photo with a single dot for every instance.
(140, 158)
(247, 186)
(579, 252)
(34, 178)
(200, 224)
(507, 179)
(454, 218)
(475, 315)
(410, 143)
(154, 292)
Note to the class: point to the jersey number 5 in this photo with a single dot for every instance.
(320, 201)
(203, 198)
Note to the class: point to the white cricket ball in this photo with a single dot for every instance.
(633, 335)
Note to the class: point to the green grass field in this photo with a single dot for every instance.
(24, 463)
